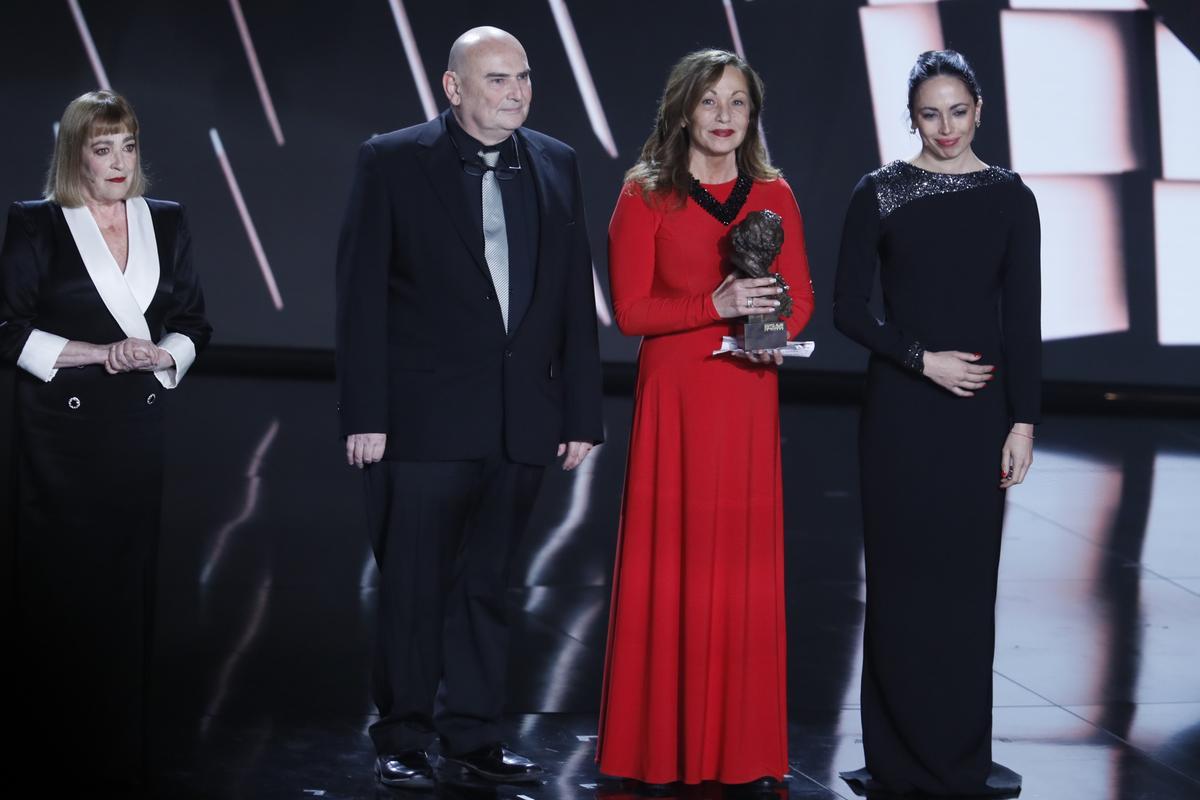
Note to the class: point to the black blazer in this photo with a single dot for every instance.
(422, 354)
(44, 283)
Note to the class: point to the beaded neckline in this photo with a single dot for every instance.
(726, 212)
(899, 183)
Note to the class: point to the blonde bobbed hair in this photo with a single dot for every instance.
(99, 113)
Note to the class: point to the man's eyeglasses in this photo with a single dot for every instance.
(475, 166)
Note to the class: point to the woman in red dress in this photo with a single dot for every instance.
(695, 679)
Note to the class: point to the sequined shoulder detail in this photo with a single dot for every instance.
(899, 183)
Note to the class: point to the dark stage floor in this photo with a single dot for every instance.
(267, 593)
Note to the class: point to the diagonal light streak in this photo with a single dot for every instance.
(601, 302)
(89, 45)
(576, 514)
(529, 723)
(249, 634)
(251, 232)
(414, 58)
(572, 651)
(731, 18)
(583, 76)
(256, 70)
(736, 34)
(248, 508)
(369, 578)
(573, 767)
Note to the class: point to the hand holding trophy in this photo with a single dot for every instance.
(756, 242)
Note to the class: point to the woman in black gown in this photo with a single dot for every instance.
(101, 311)
(953, 394)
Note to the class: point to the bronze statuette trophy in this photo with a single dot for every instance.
(756, 242)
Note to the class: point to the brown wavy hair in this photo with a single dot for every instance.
(662, 168)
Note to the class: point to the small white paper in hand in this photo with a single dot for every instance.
(729, 344)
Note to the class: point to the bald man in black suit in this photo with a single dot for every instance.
(467, 362)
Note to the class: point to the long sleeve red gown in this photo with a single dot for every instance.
(695, 679)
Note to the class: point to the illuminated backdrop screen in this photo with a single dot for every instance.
(252, 111)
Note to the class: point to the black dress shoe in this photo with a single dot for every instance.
(496, 763)
(409, 769)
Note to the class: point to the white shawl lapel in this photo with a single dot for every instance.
(128, 295)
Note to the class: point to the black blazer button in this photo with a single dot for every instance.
(150, 398)
(487, 297)
(508, 353)
(73, 404)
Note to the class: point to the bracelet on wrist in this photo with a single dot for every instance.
(914, 357)
(1018, 433)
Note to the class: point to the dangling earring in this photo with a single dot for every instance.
(978, 122)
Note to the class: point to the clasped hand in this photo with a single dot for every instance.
(134, 355)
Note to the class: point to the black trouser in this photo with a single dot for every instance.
(444, 533)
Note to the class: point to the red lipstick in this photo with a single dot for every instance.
(723, 132)
(115, 180)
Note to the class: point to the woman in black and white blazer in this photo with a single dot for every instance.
(102, 312)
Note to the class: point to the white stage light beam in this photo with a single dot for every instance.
(583, 76)
(89, 45)
(264, 95)
(415, 66)
(248, 223)
(892, 40)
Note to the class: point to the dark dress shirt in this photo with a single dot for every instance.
(520, 211)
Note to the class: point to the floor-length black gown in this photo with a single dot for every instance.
(88, 470)
(958, 259)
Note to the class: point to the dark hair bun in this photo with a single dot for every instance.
(933, 63)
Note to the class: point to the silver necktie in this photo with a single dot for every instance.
(495, 235)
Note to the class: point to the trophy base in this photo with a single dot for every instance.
(763, 332)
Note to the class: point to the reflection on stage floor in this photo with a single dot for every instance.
(267, 591)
